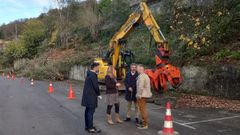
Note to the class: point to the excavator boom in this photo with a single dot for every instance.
(115, 44)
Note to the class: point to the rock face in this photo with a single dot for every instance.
(224, 81)
(220, 81)
(194, 78)
(78, 72)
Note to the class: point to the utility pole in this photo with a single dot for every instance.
(16, 32)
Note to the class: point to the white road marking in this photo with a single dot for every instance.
(182, 124)
(156, 108)
(224, 130)
(187, 124)
(210, 120)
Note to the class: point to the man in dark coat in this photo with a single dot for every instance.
(90, 97)
(131, 91)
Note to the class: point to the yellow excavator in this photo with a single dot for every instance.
(163, 73)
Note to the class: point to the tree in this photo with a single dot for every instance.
(105, 7)
(114, 13)
(91, 18)
(63, 21)
(12, 29)
(1, 34)
(33, 35)
(120, 11)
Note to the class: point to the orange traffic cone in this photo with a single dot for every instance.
(32, 82)
(50, 88)
(168, 123)
(71, 94)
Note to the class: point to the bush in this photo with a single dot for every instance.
(222, 54)
(235, 55)
(20, 64)
(51, 70)
(14, 50)
(227, 54)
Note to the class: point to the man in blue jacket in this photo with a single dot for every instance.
(131, 91)
(90, 97)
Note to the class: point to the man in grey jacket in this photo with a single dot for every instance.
(143, 92)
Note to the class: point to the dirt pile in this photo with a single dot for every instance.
(60, 54)
(188, 100)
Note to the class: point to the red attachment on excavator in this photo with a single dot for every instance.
(164, 71)
(160, 77)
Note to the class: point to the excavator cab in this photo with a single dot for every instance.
(126, 57)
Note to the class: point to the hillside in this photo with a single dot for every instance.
(198, 34)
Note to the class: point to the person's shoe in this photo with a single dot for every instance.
(142, 127)
(136, 120)
(127, 119)
(94, 130)
(140, 123)
(109, 120)
(117, 118)
(86, 129)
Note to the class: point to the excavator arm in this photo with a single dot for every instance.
(164, 72)
(117, 42)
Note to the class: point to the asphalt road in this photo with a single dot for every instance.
(31, 110)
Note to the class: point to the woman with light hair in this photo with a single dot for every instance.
(112, 95)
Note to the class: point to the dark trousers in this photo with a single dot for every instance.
(109, 108)
(89, 117)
